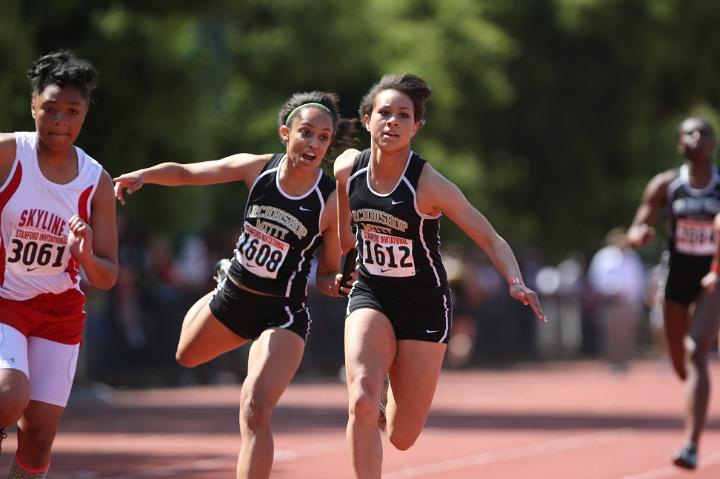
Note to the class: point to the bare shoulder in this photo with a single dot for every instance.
(247, 160)
(245, 166)
(105, 180)
(663, 179)
(104, 187)
(344, 162)
(655, 194)
(436, 193)
(431, 181)
(8, 150)
(7, 147)
(331, 202)
(330, 210)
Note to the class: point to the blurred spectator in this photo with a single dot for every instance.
(562, 288)
(192, 266)
(617, 278)
(488, 326)
(468, 295)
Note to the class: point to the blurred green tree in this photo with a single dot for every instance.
(551, 115)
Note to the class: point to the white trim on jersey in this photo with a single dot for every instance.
(285, 194)
(685, 179)
(257, 178)
(16, 162)
(322, 206)
(674, 185)
(417, 210)
(402, 177)
(302, 261)
(352, 177)
(421, 235)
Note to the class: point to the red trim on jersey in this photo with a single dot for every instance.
(83, 204)
(5, 196)
(84, 213)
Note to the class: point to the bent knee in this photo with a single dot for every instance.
(14, 396)
(186, 360)
(697, 353)
(402, 440)
(363, 406)
(255, 413)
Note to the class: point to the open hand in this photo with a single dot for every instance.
(528, 297)
(131, 182)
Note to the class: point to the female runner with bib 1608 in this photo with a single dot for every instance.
(399, 311)
(58, 215)
(290, 213)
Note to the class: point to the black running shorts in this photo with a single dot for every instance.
(684, 273)
(424, 314)
(248, 315)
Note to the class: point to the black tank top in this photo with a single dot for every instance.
(690, 213)
(280, 234)
(397, 245)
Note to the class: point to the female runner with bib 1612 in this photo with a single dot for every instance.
(399, 311)
(290, 213)
(690, 198)
(58, 215)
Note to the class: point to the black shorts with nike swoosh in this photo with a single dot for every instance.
(248, 315)
(424, 314)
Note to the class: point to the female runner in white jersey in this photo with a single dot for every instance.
(290, 212)
(58, 215)
(399, 312)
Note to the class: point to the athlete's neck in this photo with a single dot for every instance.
(387, 166)
(57, 166)
(699, 172)
(296, 180)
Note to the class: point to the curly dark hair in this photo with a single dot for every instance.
(63, 68)
(412, 85)
(343, 128)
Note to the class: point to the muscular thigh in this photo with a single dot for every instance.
(414, 376)
(370, 348)
(273, 361)
(706, 319)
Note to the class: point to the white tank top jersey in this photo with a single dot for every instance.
(34, 215)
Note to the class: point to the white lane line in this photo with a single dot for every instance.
(170, 471)
(529, 450)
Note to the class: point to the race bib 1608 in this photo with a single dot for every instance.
(260, 253)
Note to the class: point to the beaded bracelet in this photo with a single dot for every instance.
(514, 281)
